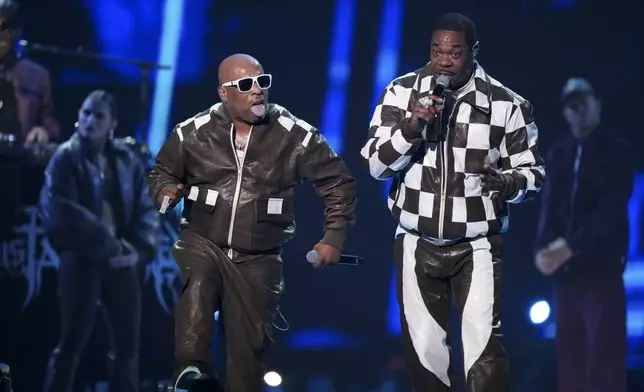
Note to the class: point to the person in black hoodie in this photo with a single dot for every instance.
(582, 241)
(100, 220)
(237, 165)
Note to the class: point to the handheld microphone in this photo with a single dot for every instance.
(441, 84)
(312, 257)
(164, 205)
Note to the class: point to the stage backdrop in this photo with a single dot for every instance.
(330, 60)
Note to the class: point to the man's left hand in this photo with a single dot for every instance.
(491, 179)
(328, 256)
(498, 186)
(38, 135)
(550, 259)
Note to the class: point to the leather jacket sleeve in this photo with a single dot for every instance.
(69, 225)
(168, 168)
(332, 180)
(145, 231)
(390, 145)
(520, 157)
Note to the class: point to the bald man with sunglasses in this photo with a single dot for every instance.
(237, 165)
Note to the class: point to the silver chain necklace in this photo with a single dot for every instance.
(240, 142)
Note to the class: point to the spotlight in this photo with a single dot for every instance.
(539, 312)
(272, 379)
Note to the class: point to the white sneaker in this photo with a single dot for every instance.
(185, 379)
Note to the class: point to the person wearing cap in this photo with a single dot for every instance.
(582, 240)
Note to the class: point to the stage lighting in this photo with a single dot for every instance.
(272, 379)
(539, 312)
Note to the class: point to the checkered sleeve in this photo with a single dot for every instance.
(390, 146)
(520, 156)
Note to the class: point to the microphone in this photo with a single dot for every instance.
(441, 84)
(312, 257)
(164, 205)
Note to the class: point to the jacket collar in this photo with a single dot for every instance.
(219, 110)
(477, 94)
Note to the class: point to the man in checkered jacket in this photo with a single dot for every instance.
(455, 165)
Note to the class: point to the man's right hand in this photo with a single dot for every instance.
(173, 191)
(419, 112)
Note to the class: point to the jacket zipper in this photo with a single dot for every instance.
(444, 152)
(240, 166)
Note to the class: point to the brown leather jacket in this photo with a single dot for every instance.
(248, 207)
(32, 86)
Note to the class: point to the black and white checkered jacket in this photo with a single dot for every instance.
(436, 189)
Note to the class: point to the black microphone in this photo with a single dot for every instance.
(441, 84)
(312, 257)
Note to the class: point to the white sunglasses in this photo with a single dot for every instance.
(244, 85)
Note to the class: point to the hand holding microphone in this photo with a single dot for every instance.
(169, 196)
(424, 112)
(324, 256)
(428, 107)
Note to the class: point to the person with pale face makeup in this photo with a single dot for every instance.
(456, 166)
(236, 166)
(26, 108)
(582, 242)
(102, 223)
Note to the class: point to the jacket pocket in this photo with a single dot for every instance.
(206, 197)
(278, 211)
